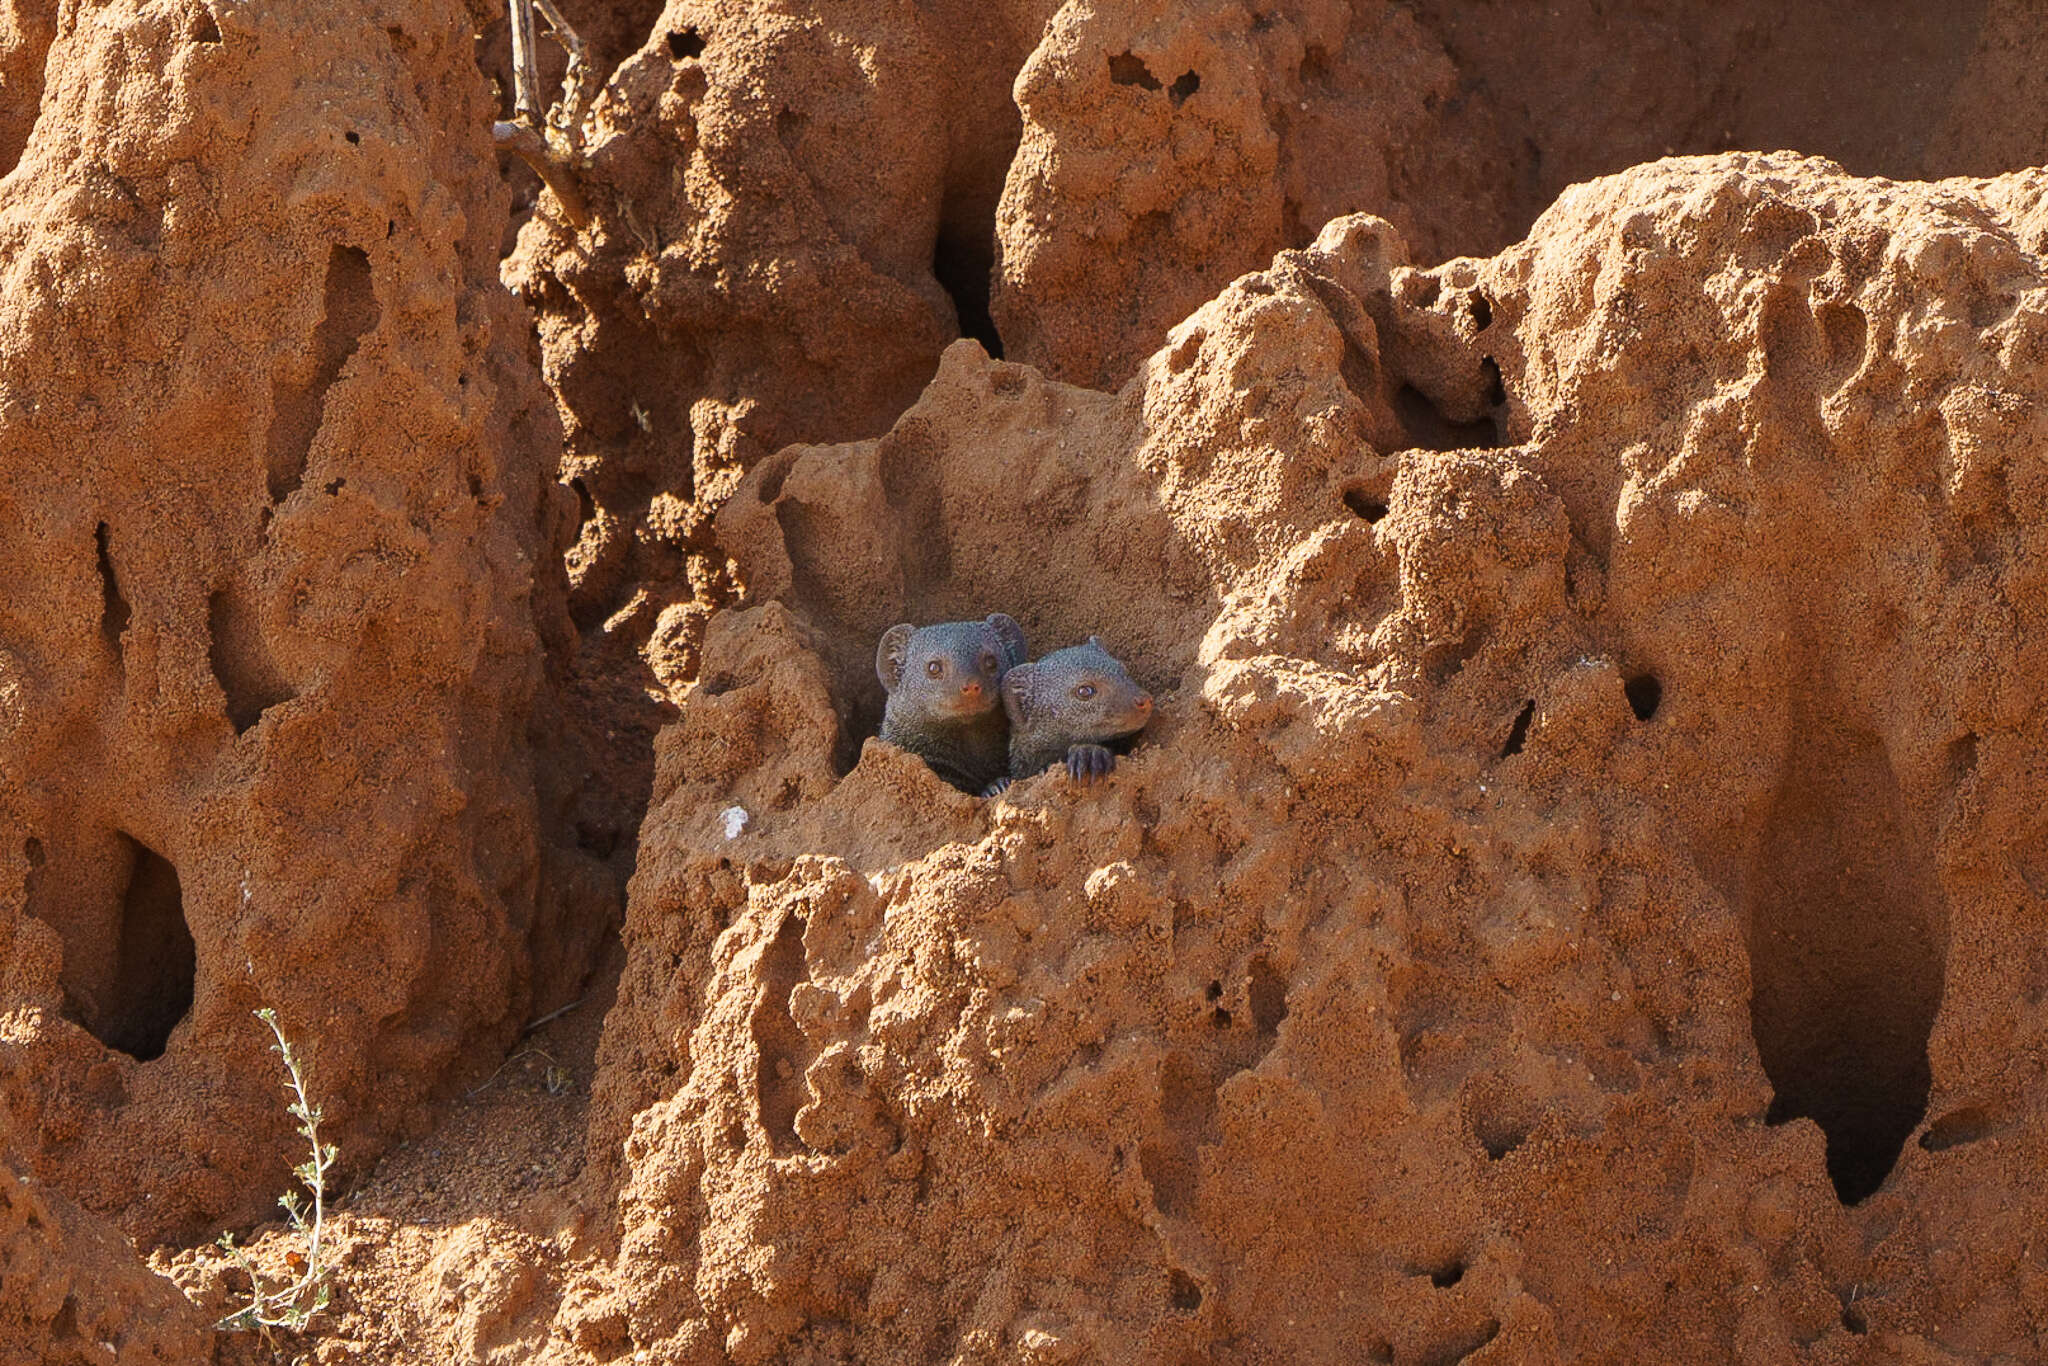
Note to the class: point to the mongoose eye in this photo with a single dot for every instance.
(934, 668)
(988, 664)
(1085, 691)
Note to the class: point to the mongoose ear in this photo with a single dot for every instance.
(1096, 641)
(1012, 635)
(891, 654)
(1017, 694)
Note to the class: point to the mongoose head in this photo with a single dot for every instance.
(1082, 692)
(951, 670)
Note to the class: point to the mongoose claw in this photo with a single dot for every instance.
(1086, 763)
(996, 788)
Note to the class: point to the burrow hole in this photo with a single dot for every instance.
(1182, 1290)
(963, 262)
(1500, 1116)
(134, 1003)
(1443, 1272)
(114, 611)
(779, 1082)
(1846, 931)
(1128, 68)
(1364, 504)
(1420, 289)
(243, 664)
(205, 29)
(1519, 732)
(1645, 694)
(1499, 1136)
(685, 43)
(1482, 316)
(349, 310)
(1429, 429)
(1496, 387)
(1184, 85)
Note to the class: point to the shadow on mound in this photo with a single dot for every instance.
(1846, 947)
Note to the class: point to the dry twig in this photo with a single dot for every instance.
(525, 134)
(292, 1304)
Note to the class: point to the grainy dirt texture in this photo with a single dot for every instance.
(1581, 898)
(783, 200)
(73, 1294)
(274, 488)
(26, 27)
(797, 206)
(1170, 147)
(1567, 870)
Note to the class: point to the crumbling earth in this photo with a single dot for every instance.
(1580, 898)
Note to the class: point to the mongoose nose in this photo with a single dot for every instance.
(970, 690)
(1144, 702)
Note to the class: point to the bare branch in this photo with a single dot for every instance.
(526, 142)
(577, 79)
(290, 1304)
(525, 72)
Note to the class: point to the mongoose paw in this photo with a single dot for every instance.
(1087, 763)
(996, 788)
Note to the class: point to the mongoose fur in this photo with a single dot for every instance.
(1068, 706)
(944, 703)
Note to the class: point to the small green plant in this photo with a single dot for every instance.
(290, 1304)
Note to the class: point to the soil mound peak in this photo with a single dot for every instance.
(1589, 735)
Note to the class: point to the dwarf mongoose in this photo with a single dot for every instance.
(1067, 706)
(944, 703)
